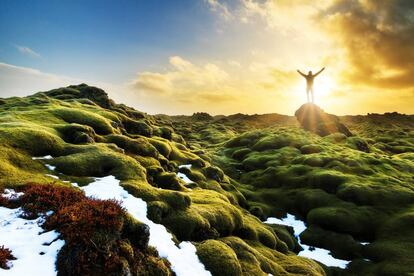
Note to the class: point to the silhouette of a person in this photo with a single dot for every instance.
(309, 82)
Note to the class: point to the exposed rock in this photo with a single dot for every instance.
(313, 118)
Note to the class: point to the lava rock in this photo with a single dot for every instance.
(313, 118)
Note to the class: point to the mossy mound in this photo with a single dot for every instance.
(347, 190)
(88, 135)
(244, 168)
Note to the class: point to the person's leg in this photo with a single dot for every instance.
(313, 100)
(307, 94)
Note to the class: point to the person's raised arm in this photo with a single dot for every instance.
(320, 71)
(303, 75)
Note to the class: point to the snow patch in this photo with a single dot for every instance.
(10, 194)
(35, 250)
(52, 176)
(183, 258)
(50, 167)
(319, 254)
(182, 176)
(188, 166)
(47, 157)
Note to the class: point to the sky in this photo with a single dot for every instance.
(216, 56)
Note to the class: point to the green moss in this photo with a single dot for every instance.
(168, 181)
(138, 127)
(276, 142)
(162, 146)
(258, 260)
(77, 134)
(357, 221)
(214, 173)
(138, 146)
(342, 246)
(311, 148)
(17, 168)
(241, 153)
(253, 229)
(287, 241)
(193, 175)
(37, 141)
(346, 189)
(209, 211)
(100, 161)
(83, 117)
(218, 258)
(246, 139)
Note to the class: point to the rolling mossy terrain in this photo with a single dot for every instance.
(356, 193)
(88, 135)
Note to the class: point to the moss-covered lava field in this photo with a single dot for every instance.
(354, 192)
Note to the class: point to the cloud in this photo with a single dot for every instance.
(284, 15)
(20, 81)
(217, 98)
(365, 44)
(27, 51)
(154, 82)
(221, 8)
(23, 81)
(234, 63)
(224, 88)
(184, 78)
(377, 39)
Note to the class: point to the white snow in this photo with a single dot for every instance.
(52, 176)
(50, 167)
(43, 157)
(182, 176)
(318, 254)
(10, 194)
(47, 157)
(183, 258)
(188, 166)
(35, 250)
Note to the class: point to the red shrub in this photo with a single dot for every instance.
(5, 256)
(39, 198)
(3, 201)
(94, 231)
(80, 221)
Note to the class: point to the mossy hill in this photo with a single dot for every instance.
(244, 167)
(349, 190)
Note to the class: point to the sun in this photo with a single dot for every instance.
(323, 86)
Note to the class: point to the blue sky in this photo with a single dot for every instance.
(101, 40)
(218, 56)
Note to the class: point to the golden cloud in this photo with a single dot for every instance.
(377, 38)
(195, 86)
